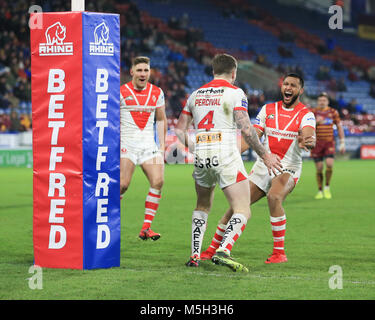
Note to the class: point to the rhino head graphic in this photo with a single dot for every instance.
(55, 34)
(101, 33)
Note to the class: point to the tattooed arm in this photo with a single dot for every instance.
(250, 136)
(248, 132)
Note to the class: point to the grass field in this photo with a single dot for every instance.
(320, 234)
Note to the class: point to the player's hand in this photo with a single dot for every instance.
(306, 143)
(191, 148)
(273, 163)
(342, 147)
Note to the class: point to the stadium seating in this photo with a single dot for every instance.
(235, 31)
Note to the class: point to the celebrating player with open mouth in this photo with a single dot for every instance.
(141, 103)
(288, 127)
(218, 108)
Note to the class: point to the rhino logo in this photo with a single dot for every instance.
(55, 42)
(101, 46)
(101, 34)
(55, 34)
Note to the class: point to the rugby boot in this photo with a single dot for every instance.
(149, 234)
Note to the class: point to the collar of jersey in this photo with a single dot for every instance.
(219, 83)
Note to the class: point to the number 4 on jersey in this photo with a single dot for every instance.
(206, 122)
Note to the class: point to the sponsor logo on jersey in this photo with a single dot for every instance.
(101, 46)
(271, 116)
(55, 45)
(327, 121)
(282, 133)
(208, 137)
(210, 91)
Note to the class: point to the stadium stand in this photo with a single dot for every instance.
(183, 37)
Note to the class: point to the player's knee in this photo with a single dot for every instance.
(157, 183)
(123, 188)
(274, 197)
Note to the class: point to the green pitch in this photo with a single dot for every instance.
(320, 234)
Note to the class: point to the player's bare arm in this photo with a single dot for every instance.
(161, 126)
(340, 131)
(307, 138)
(244, 145)
(251, 138)
(181, 130)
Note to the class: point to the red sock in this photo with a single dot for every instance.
(151, 207)
(216, 240)
(278, 225)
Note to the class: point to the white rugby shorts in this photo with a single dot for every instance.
(223, 169)
(139, 154)
(259, 174)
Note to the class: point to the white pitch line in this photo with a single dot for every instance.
(250, 275)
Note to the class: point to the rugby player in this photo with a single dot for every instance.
(288, 127)
(141, 104)
(326, 118)
(218, 108)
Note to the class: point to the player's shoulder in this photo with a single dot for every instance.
(271, 106)
(333, 110)
(305, 108)
(124, 86)
(155, 88)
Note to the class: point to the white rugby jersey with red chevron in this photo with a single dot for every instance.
(138, 112)
(280, 126)
(211, 107)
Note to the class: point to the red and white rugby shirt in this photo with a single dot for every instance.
(138, 112)
(212, 107)
(280, 126)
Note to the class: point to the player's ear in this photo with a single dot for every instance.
(131, 71)
(301, 91)
(234, 75)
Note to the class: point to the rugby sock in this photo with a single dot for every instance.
(218, 237)
(235, 227)
(278, 225)
(319, 179)
(198, 228)
(151, 207)
(328, 176)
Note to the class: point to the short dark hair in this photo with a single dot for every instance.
(223, 64)
(140, 59)
(323, 94)
(295, 75)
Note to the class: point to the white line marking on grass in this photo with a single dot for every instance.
(258, 276)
